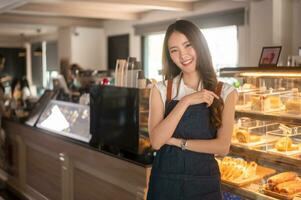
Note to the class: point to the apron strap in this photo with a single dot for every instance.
(219, 88)
(169, 90)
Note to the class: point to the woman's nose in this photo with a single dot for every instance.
(183, 54)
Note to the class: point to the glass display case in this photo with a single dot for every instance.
(67, 119)
(267, 133)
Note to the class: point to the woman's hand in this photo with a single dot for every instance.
(203, 96)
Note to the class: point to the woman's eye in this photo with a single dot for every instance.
(173, 51)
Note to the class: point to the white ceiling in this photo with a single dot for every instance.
(25, 17)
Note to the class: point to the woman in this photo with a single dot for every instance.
(191, 119)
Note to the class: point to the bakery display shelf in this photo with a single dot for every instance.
(249, 192)
(270, 116)
(294, 72)
(285, 153)
(290, 162)
(264, 140)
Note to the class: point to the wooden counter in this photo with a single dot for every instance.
(45, 166)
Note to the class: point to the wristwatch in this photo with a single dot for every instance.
(183, 144)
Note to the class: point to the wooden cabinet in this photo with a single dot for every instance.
(51, 167)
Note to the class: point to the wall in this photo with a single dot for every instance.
(282, 26)
(87, 47)
(296, 27)
(10, 41)
(64, 42)
(119, 28)
(37, 65)
(260, 29)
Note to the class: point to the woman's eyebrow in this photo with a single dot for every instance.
(186, 42)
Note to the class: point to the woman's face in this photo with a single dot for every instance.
(17, 93)
(182, 53)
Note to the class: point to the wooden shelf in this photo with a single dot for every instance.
(274, 160)
(270, 116)
(237, 71)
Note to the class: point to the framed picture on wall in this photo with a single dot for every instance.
(269, 56)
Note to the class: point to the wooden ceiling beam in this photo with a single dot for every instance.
(148, 4)
(49, 20)
(73, 10)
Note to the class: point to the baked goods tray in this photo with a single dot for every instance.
(278, 195)
(261, 172)
(265, 139)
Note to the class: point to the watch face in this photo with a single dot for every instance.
(183, 144)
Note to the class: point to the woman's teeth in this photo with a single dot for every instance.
(186, 62)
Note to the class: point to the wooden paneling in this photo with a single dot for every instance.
(55, 168)
(43, 173)
(13, 157)
(90, 187)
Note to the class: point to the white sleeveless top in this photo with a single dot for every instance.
(186, 90)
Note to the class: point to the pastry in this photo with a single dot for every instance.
(275, 101)
(293, 106)
(245, 137)
(281, 178)
(289, 187)
(256, 103)
(265, 103)
(236, 169)
(286, 144)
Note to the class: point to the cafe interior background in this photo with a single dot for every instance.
(36, 36)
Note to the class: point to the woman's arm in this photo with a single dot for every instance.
(221, 144)
(160, 129)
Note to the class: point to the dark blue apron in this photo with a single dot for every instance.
(186, 175)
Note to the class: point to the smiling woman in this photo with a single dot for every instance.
(191, 117)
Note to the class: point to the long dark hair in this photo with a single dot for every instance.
(203, 64)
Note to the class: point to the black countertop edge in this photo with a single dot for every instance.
(128, 158)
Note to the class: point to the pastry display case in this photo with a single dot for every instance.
(67, 119)
(265, 156)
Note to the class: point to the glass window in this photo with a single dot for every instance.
(153, 45)
(222, 42)
(223, 45)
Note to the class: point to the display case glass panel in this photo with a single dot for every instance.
(68, 119)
